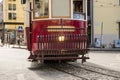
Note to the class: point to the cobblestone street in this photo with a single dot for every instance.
(14, 66)
(108, 59)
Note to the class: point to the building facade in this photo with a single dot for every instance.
(106, 22)
(1, 19)
(13, 14)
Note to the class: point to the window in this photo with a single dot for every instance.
(12, 16)
(78, 9)
(61, 8)
(14, 6)
(40, 8)
(9, 6)
(78, 6)
(119, 2)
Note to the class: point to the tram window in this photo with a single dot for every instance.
(78, 9)
(78, 6)
(40, 8)
(61, 8)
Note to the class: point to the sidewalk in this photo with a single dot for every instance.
(104, 49)
(110, 60)
(15, 46)
(90, 49)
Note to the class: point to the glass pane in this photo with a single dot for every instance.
(14, 16)
(119, 2)
(9, 6)
(40, 8)
(78, 9)
(78, 6)
(9, 16)
(14, 6)
(61, 8)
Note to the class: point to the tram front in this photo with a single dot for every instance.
(59, 30)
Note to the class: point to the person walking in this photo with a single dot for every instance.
(0, 42)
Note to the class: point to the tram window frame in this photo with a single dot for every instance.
(37, 5)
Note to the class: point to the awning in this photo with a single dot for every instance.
(17, 23)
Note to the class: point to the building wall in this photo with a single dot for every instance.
(11, 25)
(106, 15)
(1, 18)
(1, 11)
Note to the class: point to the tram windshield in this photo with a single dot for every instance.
(59, 9)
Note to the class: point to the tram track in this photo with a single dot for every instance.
(99, 70)
(86, 72)
(64, 71)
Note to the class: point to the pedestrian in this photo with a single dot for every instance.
(18, 41)
(0, 42)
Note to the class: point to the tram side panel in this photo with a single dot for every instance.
(28, 38)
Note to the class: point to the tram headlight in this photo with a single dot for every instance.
(61, 38)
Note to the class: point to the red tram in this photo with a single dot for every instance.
(58, 30)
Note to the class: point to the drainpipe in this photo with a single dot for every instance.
(30, 24)
(3, 37)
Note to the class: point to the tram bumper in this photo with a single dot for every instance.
(61, 55)
(62, 47)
